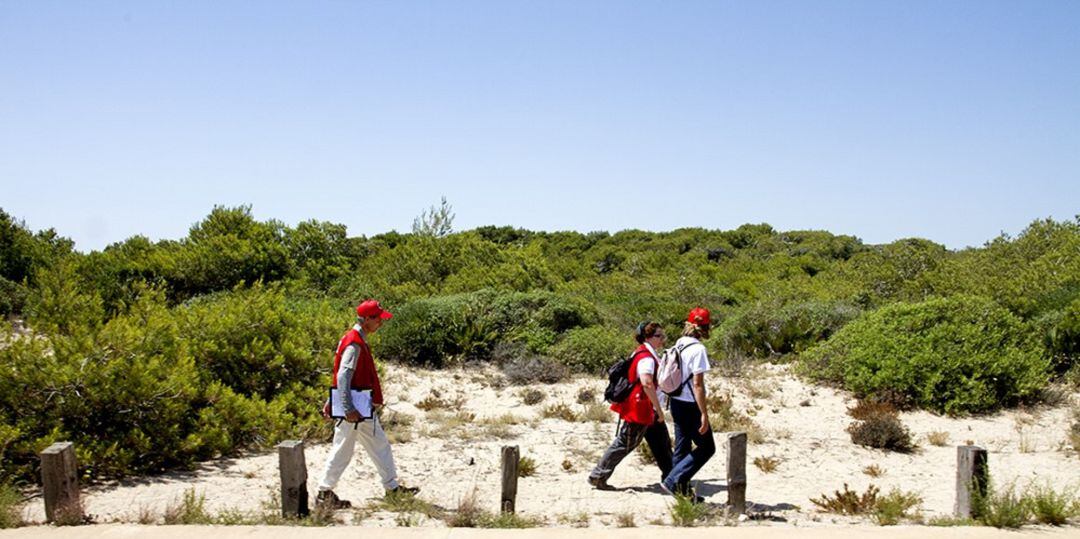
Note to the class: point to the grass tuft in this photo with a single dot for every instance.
(10, 507)
(767, 464)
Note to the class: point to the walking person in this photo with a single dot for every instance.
(688, 407)
(354, 368)
(641, 413)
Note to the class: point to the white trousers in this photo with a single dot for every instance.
(373, 438)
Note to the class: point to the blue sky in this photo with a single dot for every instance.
(953, 121)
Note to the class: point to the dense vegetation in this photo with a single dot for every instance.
(157, 354)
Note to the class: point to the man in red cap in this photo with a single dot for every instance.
(688, 407)
(354, 368)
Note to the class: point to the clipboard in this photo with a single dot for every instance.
(361, 400)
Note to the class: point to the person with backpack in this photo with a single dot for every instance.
(688, 404)
(354, 368)
(633, 392)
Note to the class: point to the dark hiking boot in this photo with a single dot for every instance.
(328, 499)
(600, 484)
(401, 489)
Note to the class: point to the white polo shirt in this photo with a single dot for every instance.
(695, 360)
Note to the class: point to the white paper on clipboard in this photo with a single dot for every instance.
(361, 400)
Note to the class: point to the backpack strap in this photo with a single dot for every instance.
(679, 351)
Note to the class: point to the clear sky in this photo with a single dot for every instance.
(953, 121)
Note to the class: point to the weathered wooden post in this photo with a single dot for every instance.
(60, 480)
(510, 456)
(294, 495)
(736, 471)
(972, 474)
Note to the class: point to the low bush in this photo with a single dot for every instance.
(1074, 431)
(1049, 506)
(526, 467)
(685, 512)
(956, 355)
(767, 464)
(1003, 508)
(529, 368)
(770, 330)
(10, 507)
(882, 431)
(591, 349)
(848, 502)
(894, 506)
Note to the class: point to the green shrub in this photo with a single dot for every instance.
(10, 511)
(1002, 508)
(685, 512)
(592, 349)
(894, 506)
(767, 329)
(955, 355)
(1050, 506)
(1061, 331)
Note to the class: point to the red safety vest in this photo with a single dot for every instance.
(365, 376)
(637, 408)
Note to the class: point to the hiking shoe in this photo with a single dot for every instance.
(400, 489)
(600, 484)
(327, 498)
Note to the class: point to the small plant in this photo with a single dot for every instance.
(1002, 509)
(938, 438)
(435, 401)
(848, 502)
(468, 513)
(645, 454)
(586, 395)
(767, 464)
(1051, 507)
(625, 520)
(890, 509)
(532, 396)
(10, 500)
(526, 467)
(567, 465)
(882, 431)
(686, 513)
(873, 470)
(510, 521)
(559, 411)
(405, 502)
(190, 509)
(596, 412)
(532, 369)
(575, 520)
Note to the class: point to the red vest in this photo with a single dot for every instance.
(637, 408)
(365, 376)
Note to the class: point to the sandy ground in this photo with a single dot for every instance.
(454, 454)
(115, 531)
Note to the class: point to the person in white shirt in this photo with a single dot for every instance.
(640, 412)
(688, 407)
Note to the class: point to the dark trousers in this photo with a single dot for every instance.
(627, 438)
(687, 462)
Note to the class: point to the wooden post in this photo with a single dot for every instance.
(294, 495)
(60, 480)
(510, 456)
(736, 471)
(972, 474)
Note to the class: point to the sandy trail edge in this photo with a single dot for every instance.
(128, 531)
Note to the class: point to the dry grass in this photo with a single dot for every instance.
(597, 412)
(938, 438)
(874, 470)
(767, 464)
(574, 520)
(724, 418)
(559, 411)
(625, 520)
(847, 501)
(435, 401)
(586, 395)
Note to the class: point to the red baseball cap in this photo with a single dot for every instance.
(370, 308)
(699, 316)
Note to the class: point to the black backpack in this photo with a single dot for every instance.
(619, 386)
